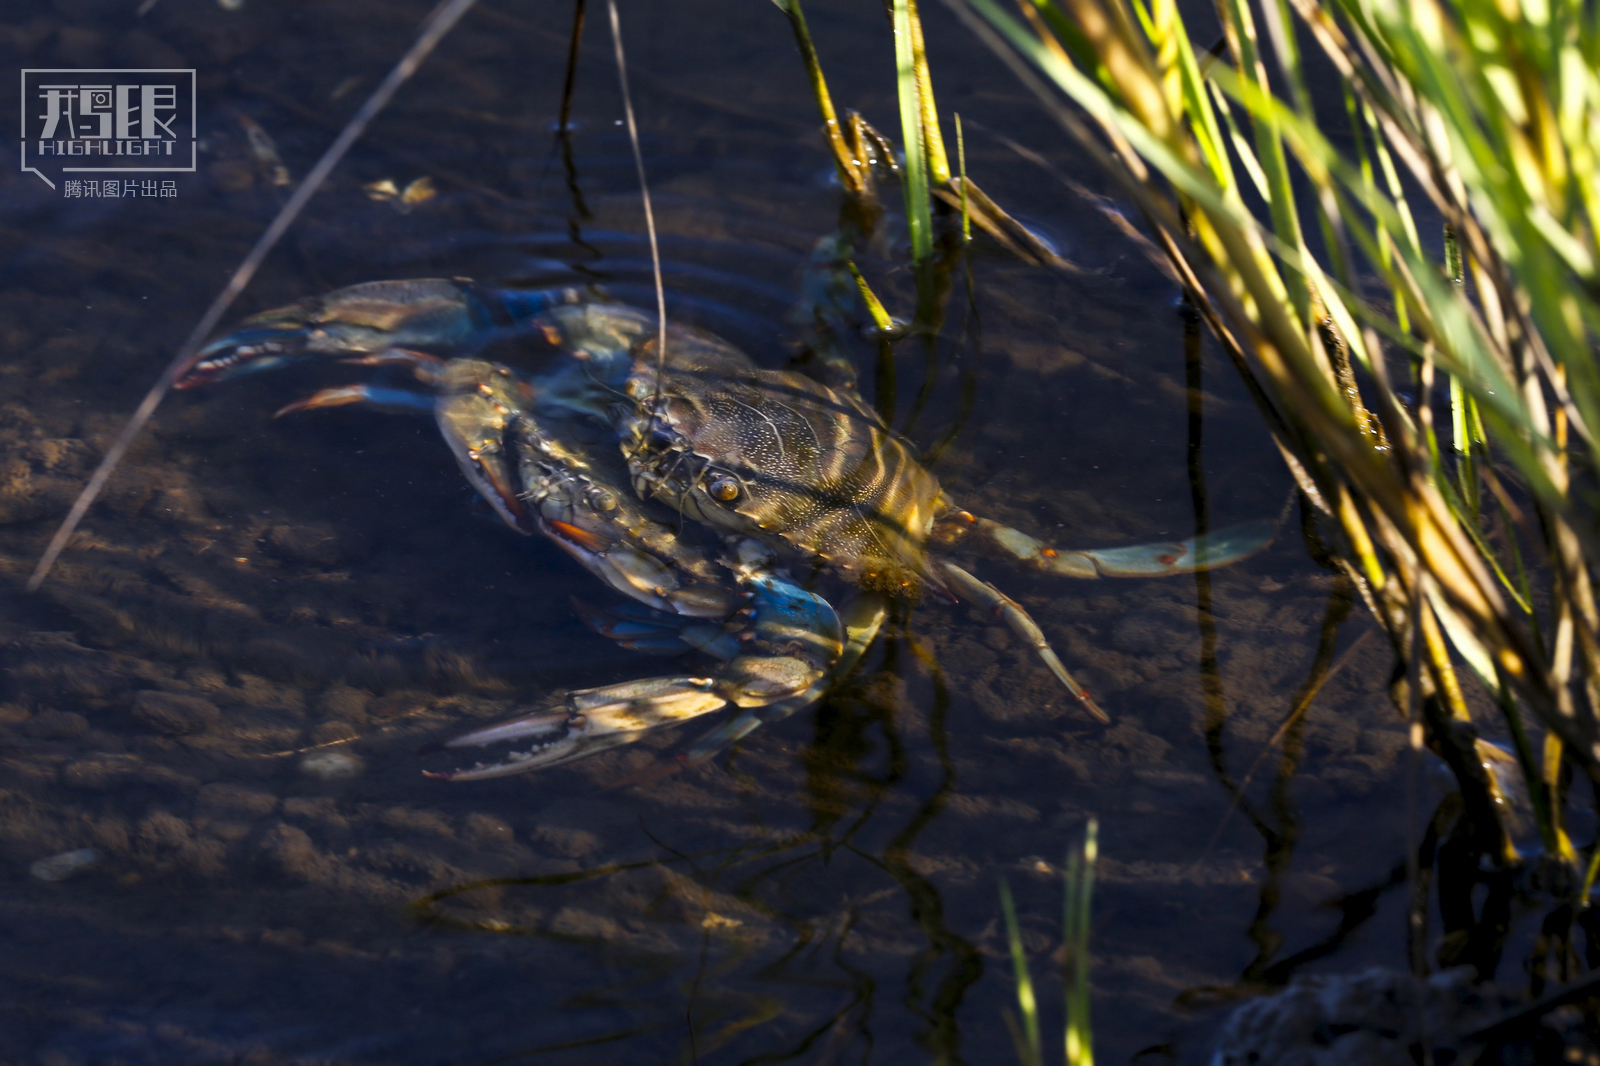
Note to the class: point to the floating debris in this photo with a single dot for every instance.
(344, 87)
(330, 765)
(265, 151)
(67, 864)
(402, 200)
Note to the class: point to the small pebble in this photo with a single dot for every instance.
(67, 864)
(330, 765)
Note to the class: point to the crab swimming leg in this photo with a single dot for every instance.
(791, 640)
(1220, 548)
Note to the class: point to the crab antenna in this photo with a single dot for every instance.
(444, 17)
(644, 192)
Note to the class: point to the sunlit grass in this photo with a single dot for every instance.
(1434, 394)
(1078, 885)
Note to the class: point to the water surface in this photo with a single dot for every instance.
(826, 893)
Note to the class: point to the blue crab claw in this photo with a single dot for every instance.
(438, 313)
(244, 351)
(592, 720)
(789, 644)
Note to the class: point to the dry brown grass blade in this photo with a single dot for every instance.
(1011, 235)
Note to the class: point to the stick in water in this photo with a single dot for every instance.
(644, 191)
(440, 23)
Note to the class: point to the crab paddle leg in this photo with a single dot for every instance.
(378, 396)
(1220, 548)
(986, 595)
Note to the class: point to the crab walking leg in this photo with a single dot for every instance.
(385, 399)
(1220, 548)
(861, 624)
(654, 632)
(985, 594)
(791, 641)
(423, 366)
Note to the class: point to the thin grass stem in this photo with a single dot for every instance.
(644, 195)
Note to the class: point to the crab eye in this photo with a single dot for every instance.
(602, 499)
(724, 488)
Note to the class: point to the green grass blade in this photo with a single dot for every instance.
(1270, 153)
(961, 160)
(919, 217)
(1079, 878)
(932, 135)
(1027, 1006)
(1247, 155)
(849, 175)
(875, 308)
(1590, 876)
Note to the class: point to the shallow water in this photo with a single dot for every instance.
(323, 584)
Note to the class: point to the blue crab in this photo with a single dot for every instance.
(731, 493)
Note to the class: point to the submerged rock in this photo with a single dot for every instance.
(330, 765)
(174, 714)
(1378, 1017)
(67, 864)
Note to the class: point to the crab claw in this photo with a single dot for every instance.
(791, 640)
(436, 313)
(366, 318)
(243, 351)
(592, 720)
